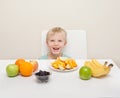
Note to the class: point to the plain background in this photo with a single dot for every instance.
(22, 21)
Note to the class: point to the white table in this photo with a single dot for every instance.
(60, 85)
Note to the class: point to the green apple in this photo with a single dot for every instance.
(85, 73)
(12, 70)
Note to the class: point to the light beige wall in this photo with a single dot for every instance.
(21, 23)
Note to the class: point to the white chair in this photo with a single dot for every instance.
(76, 44)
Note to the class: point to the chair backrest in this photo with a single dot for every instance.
(76, 44)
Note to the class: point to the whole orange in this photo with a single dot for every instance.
(19, 61)
(26, 69)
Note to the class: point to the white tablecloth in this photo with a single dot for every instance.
(60, 84)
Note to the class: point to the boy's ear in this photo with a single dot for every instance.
(46, 42)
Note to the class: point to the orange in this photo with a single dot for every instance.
(19, 61)
(26, 69)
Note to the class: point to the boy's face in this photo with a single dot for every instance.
(56, 43)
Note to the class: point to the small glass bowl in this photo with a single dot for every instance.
(42, 76)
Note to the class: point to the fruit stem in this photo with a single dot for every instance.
(110, 65)
(105, 63)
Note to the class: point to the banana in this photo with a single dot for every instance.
(87, 63)
(108, 68)
(105, 72)
(98, 70)
(96, 63)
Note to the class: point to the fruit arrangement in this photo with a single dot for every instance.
(22, 67)
(63, 63)
(98, 69)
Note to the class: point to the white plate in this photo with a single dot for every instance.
(65, 70)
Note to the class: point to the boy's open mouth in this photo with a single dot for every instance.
(56, 49)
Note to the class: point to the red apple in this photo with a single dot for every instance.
(35, 64)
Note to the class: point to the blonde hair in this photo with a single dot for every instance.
(56, 30)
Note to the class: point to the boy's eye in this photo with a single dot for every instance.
(59, 40)
(52, 40)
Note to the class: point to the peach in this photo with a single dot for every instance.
(35, 64)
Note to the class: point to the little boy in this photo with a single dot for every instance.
(56, 39)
